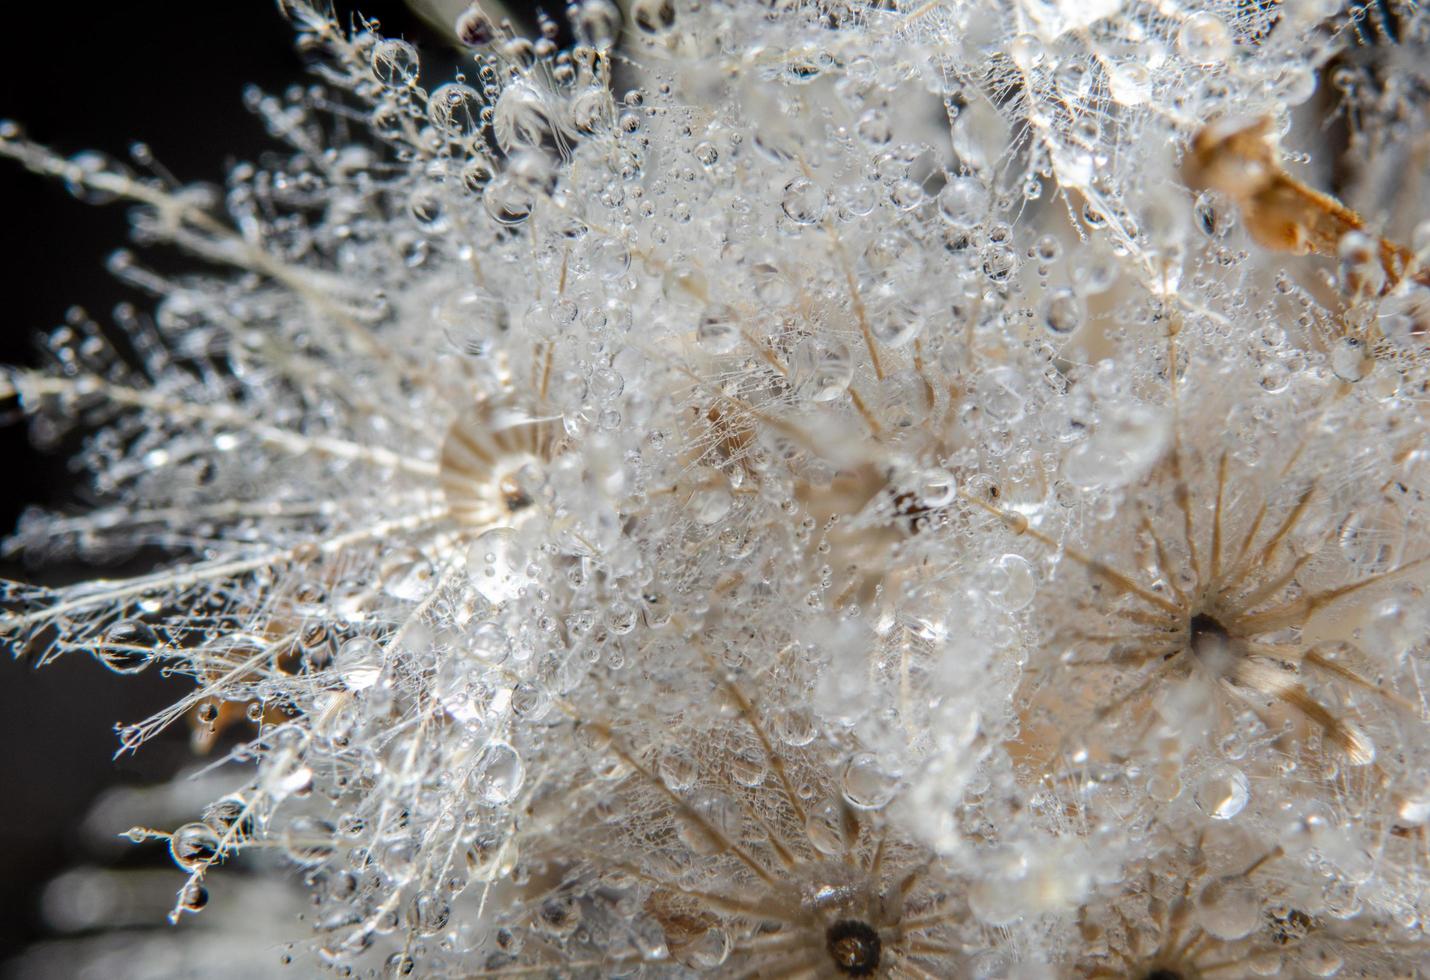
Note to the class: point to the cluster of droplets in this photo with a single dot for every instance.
(860, 500)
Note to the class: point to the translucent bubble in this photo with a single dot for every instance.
(867, 784)
(1404, 317)
(520, 118)
(936, 488)
(497, 564)
(193, 897)
(498, 774)
(1130, 83)
(405, 574)
(1062, 311)
(1002, 395)
(653, 16)
(999, 263)
(874, 127)
(486, 641)
(824, 826)
(804, 201)
(359, 663)
(1360, 266)
(1096, 272)
(715, 816)
(898, 323)
(1223, 792)
(1350, 360)
(194, 846)
(711, 949)
(1027, 51)
(455, 110)
(1204, 39)
(1318, 958)
(1228, 908)
(822, 371)
(719, 330)
(710, 503)
(128, 646)
(1128, 440)
(1012, 582)
(308, 840)
(748, 766)
(963, 202)
(678, 768)
(796, 725)
(474, 28)
(598, 23)
(394, 63)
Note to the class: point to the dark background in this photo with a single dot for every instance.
(101, 76)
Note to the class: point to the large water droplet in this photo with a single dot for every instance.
(498, 775)
(1223, 792)
(1228, 908)
(867, 784)
(1204, 39)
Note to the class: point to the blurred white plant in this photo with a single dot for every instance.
(902, 490)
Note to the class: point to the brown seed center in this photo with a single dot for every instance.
(855, 948)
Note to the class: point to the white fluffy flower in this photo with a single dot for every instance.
(860, 502)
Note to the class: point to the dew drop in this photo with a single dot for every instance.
(498, 775)
(804, 201)
(128, 646)
(963, 202)
(194, 846)
(1228, 908)
(1062, 311)
(1222, 793)
(866, 783)
(1350, 360)
(1204, 39)
(719, 330)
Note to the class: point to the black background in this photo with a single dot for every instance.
(101, 76)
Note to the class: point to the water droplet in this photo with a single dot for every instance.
(194, 846)
(1350, 360)
(719, 330)
(748, 767)
(394, 63)
(405, 574)
(128, 646)
(711, 502)
(715, 816)
(427, 913)
(497, 565)
(455, 110)
(1012, 582)
(1223, 792)
(677, 766)
(598, 23)
(1062, 311)
(866, 783)
(804, 201)
(824, 826)
(498, 775)
(653, 16)
(193, 897)
(1319, 958)
(359, 663)
(822, 370)
(1204, 39)
(1228, 908)
(963, 202)
(309, 840)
